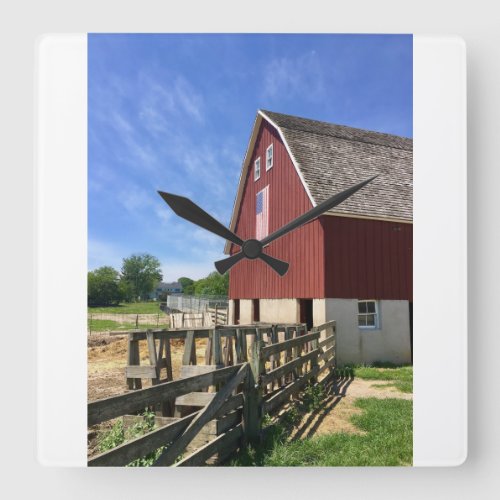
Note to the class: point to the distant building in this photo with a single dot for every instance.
(174, 287)
(354, 263)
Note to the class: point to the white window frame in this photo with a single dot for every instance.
(256, 172)
(376, 314)
(271, 148)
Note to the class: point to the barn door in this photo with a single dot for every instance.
(236, 311)
(306, 312)
(256, 310)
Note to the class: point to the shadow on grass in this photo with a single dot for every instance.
(386, 439)
(336, 392)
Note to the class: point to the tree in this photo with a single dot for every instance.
(213, 284)
(103, 287)
(126, 291)
(141, 272)
(187, 285)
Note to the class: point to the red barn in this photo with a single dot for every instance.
(353, 264)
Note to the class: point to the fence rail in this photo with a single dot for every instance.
(125, 321)
(254, 370)
(196, 303)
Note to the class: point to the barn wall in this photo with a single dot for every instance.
(390, 342)
(279, 310)
(246, 312)
(368, 259)
(303, 249)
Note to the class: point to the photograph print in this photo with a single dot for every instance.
(250, 238)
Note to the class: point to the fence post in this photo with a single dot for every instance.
(133, 360)
(314, 361)
(333, 333)
(252, 392)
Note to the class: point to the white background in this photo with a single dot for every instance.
(477, 22)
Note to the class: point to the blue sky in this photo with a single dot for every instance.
(175, 112)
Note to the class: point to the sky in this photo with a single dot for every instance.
(174, 112)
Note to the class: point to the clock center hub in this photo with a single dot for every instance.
(252, 249)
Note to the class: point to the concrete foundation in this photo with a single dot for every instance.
(390, 341)
(279, 310)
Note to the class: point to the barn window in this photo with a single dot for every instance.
(269, 157)
(256, 170)
(368, 314)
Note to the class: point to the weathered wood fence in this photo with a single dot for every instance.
(213, 316)
(250, 371)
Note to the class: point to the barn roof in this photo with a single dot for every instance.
(330, 158)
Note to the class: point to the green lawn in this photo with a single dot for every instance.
(129, 308)
(388, 424)
(102, 325)
(400, 377)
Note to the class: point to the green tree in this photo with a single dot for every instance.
(126, 291)
(187, 285)
(103, 287)
(142, 273)
(213, 284)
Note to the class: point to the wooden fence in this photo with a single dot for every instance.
(211, 317)
(252, 371)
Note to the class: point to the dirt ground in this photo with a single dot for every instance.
(335, 412)
(106, 361)
(107, 358)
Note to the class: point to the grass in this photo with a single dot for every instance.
(387, 440)
(129, 308)
(400, 377)
(103, 325)
(118, 434)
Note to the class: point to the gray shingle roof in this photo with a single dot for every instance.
(333, 157)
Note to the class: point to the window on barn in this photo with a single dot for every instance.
(256, 170)
(368, 314)
(269, 157)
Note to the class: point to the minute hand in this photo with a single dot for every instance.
(315, 212)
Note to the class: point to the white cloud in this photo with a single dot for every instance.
(301, 76)
(137, 152)
(190, 100)
(163, 103)
(134, 198)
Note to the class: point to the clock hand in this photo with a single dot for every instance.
(252, 249)
(188, 210)
(279, 266)
(255, 248)
(315, 212)
(224, 265)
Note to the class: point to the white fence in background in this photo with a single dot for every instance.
(196, 303)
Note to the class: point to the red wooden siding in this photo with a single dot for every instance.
(332, 257)
(368, 259)
(303, 249)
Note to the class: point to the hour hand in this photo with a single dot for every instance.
(188, 210)
(252, 250)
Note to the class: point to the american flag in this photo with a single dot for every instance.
(262, 214)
